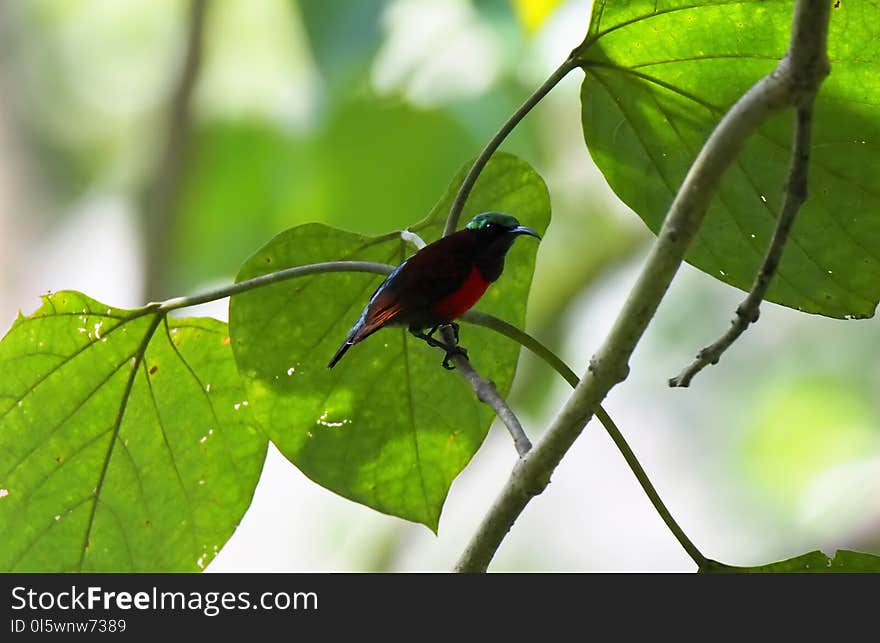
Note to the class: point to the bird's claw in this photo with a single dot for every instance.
(451, 349)
(452, 325)
(450, 353)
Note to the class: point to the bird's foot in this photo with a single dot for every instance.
(452, 351)
(455, 328)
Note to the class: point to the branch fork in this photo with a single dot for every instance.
(798, 74)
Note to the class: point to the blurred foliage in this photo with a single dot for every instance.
(369, 164)
(356, 172)
(803, 427)
(533, 13)
(344, 35)
(80, 105)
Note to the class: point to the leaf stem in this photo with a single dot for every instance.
(473, 174)
(524, 339)
(649, 489)
(271, 278)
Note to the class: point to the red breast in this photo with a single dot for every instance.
(457, 303)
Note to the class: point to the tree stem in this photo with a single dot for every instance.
(539, 349)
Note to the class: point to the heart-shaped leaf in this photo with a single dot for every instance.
(387, 427)
(126, 443)
(659, 76)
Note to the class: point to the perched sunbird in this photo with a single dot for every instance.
(440, 283)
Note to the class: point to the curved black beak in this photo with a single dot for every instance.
(521, 229)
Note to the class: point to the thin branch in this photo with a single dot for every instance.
(488, 394)
(471, 178)
(649, 489)
(269, 279)
(795, 195)
(160, 197)
(610, 365)
(539, 349)
(524, 339)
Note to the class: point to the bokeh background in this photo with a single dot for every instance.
(148, 147)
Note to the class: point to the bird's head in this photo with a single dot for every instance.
(492, 225)
(494, 234)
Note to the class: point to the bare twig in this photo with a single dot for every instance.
(269, 279)
(473, 174)
(795, 194)
(610, 365)
(160, 197)
(488, 394)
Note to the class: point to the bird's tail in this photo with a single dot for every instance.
(363, 329)
(355, 335)
(348, 343)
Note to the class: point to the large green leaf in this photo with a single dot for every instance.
(659, 75)
(387, 427)
(126, 443)
(844, 561)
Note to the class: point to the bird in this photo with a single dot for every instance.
(440, 283)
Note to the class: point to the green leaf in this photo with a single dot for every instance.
(126, 443)
(387, 427)
(659, 76)
(813, 562)
(854, 561)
